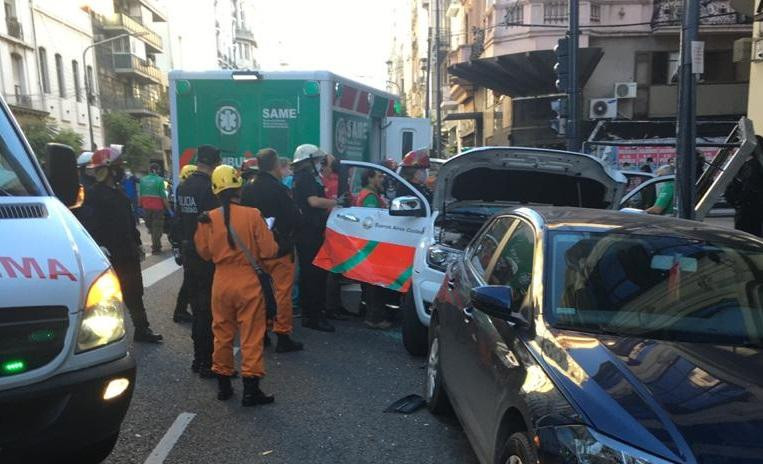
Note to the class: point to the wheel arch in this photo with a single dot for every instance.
(512, 422)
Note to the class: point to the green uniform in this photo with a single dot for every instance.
(665, 198)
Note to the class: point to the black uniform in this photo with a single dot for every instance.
(194, 196)
(272, 198)
(108, 216)
(309, 238)
(745, 194)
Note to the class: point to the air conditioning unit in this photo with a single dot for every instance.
(625, 90)
(742, 50)
(603, 108)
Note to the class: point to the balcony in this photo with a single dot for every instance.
(123, 23)
(23, 103)
(125, 63)
(462, 54)
(14, 28)
(139, 107)
(245, 35)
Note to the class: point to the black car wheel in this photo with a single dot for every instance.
(519, 450)
(437, 398)
(414, 332)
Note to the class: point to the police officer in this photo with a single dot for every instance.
(194, 196)
(176, 239)
(311, 201)
(268, 194)
(109, 219)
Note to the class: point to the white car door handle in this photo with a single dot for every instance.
(468, 313)
(348, 217)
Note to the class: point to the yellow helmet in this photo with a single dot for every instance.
(187, 170)
(225, 177)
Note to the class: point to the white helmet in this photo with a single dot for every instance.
(84, 158)
(307, 151)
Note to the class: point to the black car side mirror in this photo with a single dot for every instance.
(61, 163)
(495, 301)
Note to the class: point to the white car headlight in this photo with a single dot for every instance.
(440, 257)
(103, 320)
(582, 445)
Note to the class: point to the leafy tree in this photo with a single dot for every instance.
(123, 129)
(69, 137)
(38, 131)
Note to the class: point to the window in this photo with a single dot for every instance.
(370, 188)
(595, 13)
(19, 77)
(42, 55)
(555, 12)
(664, 67)
(89, 84)
(484, 248)
(60, 76)
(75, 74)
(514, 265)
(719, 66)
(515, 14)
(407, 142)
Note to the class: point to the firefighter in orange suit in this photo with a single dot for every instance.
(237, 298)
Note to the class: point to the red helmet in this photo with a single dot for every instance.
(390, 164)
(417, 159)
(249, 165)
(104, 157)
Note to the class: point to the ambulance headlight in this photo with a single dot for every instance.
(103, 320)
(440, 257)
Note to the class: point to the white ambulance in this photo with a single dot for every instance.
(66, 378)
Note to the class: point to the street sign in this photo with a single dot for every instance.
(697, 57)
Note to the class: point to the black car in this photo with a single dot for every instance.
(569, 335)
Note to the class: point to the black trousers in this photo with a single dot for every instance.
(333, 292)
(312, 279)
(200, 277)
(184, 295)
(749, 220)
(130, 278)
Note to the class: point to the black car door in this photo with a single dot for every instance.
(496, 367)
(458, 332)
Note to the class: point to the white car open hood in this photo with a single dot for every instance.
(527, 176)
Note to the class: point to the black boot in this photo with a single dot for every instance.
(252, 394)
(224, 388)
(147, 336)
(195, 366)
(205, 371)
(182, 316)
(266, 341)
(286, 344)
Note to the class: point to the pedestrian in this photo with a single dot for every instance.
(310, 198)
(194, 196)
(272, 199)
(109, 219)
(414, 169)
(226, 236)
(370, 196)
(334, 309)
(745, 194)
(664, 203)
(181, 313)
(153, 200)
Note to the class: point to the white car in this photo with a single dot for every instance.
(469, 189)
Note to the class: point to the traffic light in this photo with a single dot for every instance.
(562, 66)
(559, 123)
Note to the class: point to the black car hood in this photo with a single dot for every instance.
(682, 401)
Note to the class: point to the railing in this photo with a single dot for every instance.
(125, 62)
(14, 28)
(244, 34)
(460, 55)
(130, 104)
(122, 21)
(22, 100)
(556, 12)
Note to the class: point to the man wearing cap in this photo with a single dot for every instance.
(153, 200)
(194, 196)
(310, 197)
(108, 216)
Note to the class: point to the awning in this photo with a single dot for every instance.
(526, 74)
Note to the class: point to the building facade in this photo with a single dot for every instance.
(41, 66)
(407, 67)
(755, 107)
(236, 46)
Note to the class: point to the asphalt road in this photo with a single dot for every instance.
(329, 401)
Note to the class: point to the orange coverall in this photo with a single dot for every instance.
(237, 300)
(282, 270)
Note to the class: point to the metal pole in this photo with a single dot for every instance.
(573, 135)
(88, 90)
(686, 137)
(438, 82)
(427, 106)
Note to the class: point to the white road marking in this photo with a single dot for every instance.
(162, 450)
(159, 271)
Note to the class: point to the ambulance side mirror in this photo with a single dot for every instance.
(407, 206)
(61, 163)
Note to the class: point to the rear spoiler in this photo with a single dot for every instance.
(711, 186)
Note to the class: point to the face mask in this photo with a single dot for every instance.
(421, 176)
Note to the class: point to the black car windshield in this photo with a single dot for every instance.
(657, 286)
(17, 173)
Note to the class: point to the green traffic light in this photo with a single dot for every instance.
(14, 367)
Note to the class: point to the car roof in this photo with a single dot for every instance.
(601, 220)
